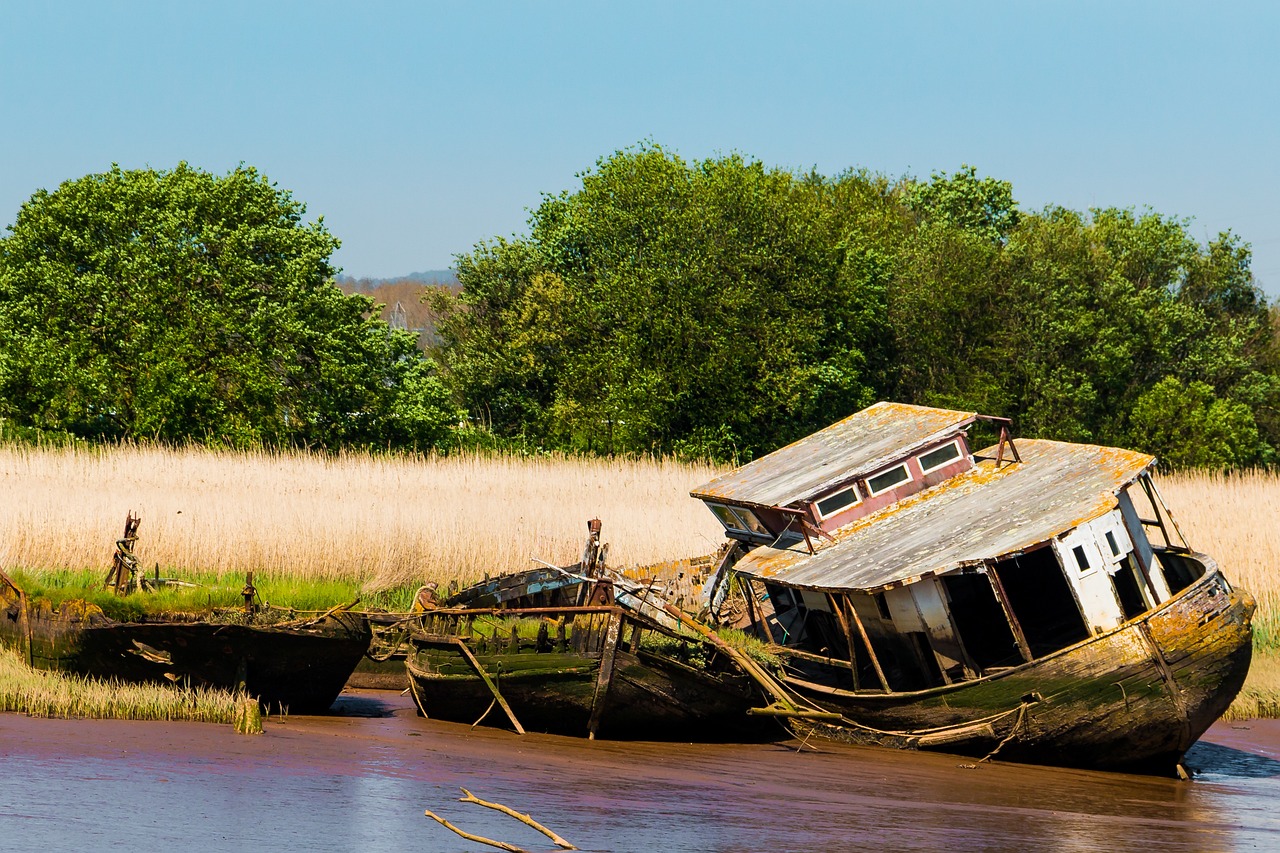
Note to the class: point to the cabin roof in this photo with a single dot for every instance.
(859, 444)
(981, 514)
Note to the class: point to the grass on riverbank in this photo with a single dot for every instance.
(318, 530)
(50, 694)
(207, 592)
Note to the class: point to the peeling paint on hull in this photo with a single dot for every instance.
(1135, 698)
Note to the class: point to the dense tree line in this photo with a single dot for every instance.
(721, 307)
(718, 308)
(183, 306)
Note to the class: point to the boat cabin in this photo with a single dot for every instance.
(882, 553)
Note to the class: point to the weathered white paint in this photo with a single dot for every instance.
(1092, 585)
(932, 605)
(816, 600)
(1142, 547)
(902, 607)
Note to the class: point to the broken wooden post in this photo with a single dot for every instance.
(493, 688)
(836, 607)
(605, 677)
(248, 715)
(875, 662)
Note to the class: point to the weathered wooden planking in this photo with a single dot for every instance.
(982, 514)
(860, 443)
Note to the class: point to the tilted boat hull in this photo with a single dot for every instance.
(560, 690)
(300, 667)
(1135, 698)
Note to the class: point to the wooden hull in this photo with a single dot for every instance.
(300, 667)
(1135, 698)
(560, 688)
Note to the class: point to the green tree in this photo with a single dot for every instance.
(1188, 427)
(716, 306)
(181, 305)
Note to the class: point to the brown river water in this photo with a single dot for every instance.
(359, 781)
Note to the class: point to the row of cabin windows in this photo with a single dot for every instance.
(889, 479)
(743, 520)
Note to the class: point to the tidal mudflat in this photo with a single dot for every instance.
(360, 779)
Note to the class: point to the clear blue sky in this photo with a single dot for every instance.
(417, 129)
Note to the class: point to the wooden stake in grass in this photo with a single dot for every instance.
(248, 716)
(523, 818)
(479, 839)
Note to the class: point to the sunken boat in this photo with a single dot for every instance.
(1035, 601)
(297, 665)
(577, 651)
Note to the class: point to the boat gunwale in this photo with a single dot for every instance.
(1212, 572)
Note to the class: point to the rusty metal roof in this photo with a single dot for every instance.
(860, 444)
(983, 513)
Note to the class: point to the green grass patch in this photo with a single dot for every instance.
(211, 592)
(53, 694)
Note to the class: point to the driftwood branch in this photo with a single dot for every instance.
(523, 818)
(501, 845)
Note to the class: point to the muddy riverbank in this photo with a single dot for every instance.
(361, 779)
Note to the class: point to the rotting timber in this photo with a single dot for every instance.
(1007, 602)
(297, 665)
(582, 652)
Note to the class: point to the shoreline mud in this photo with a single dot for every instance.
(361, 778)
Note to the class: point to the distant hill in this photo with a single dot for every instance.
(364, 283)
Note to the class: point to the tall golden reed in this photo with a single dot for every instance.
(381, 521)
(1235, 519)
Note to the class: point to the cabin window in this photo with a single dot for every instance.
(886, 480)
(737, 518)
(1082, 559)
(1111, 543)
(936, 458)
(834, 503)
(882, 607)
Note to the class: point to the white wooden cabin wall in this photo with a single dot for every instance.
(1092, 585)
(1142, 547)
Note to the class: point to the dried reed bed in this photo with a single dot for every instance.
(1236, 519)
(383, 521)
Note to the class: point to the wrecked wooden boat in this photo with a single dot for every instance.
(299, 665)
(589, 671)
(585, 653)
(1037, 601)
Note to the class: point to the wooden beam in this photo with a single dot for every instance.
(605, 676)
(875, 662)
(1018, 636)
(838, 609)
(493, 688)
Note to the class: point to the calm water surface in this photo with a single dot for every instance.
(360, 782)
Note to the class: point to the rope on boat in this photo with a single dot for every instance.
(1020, 710)
(1017, 724)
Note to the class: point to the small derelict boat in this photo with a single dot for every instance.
(1035, 600)
(299, 665)
(585, 653)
